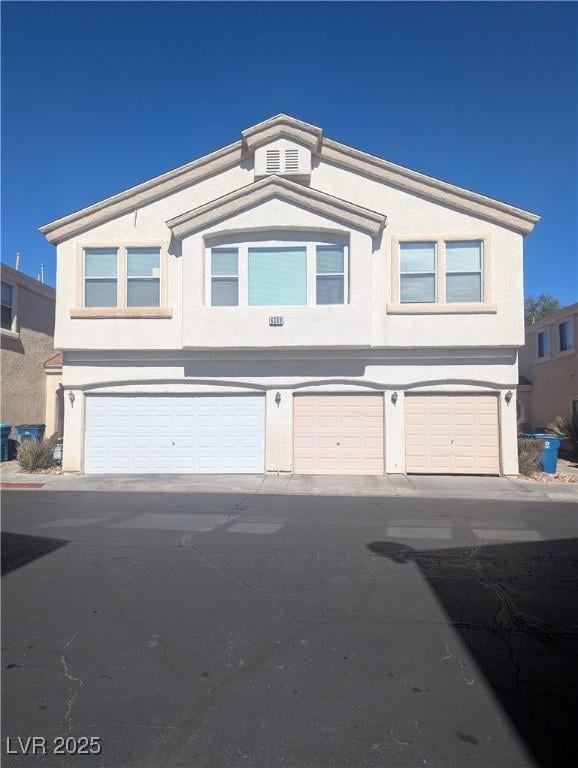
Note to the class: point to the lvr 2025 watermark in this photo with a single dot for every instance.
(60, 745)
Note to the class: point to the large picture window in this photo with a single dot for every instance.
(277, 276)
(271, 273)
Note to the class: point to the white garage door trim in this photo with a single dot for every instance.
(452, 433)
(338, 434)
(166, 434)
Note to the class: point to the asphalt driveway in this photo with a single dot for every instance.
(226, 630)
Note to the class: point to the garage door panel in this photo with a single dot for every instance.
(162, 433)
(448, 434)
(338, 434)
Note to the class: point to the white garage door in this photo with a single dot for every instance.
(452, 434)
(166, 434)
(338, 434)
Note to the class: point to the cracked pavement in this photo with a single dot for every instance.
(219, 630)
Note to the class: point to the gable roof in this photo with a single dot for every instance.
(282, 189)
(282, 125)
(332, 151)
(15, 276)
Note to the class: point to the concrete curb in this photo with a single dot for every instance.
(387, 486)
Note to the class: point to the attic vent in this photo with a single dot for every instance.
(273, 161)
(291, 160)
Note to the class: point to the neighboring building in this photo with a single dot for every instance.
(290, 304)
(549, 365)
(26, 342)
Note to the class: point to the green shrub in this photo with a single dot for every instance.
(529, 453)
(566, 427)
(35, 454)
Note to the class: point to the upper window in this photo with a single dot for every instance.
(330, 281)
(440, 271)
(141, 286)
(277, 276)
(463, 271)
(565, 335)
(270, 273)
(417, 273)
(143, 277)
(7, 306)
(100, 277)
(544, 343)
(224, 277)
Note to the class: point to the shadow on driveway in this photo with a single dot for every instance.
(515, 606)
(19, 549)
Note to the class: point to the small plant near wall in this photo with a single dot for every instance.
(529, 453)
(35, 454)
(566, 427)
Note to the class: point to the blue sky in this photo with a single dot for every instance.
(100, 96)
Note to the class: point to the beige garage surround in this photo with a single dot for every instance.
(338, 434)
(452, 434)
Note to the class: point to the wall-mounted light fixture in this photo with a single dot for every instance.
(508, 396)
(71, 397)
(394, 398)
(278, 399)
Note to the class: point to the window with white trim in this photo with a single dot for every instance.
(565, 335)
(277, 276)
(330, 279)
(274, 272)
(143, 277)
(463, 265)
(123, 276)
(224, 277)
(101, 277)
(417, 280)
(543, 341)
(7, 306)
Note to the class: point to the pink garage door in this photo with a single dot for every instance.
(452, 434)
(338, 434)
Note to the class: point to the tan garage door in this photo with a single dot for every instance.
(452, 434)
(338, 434)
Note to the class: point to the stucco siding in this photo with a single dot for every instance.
(371, 343)
(22, 358)
(489, 370)
(554, 379)
(365, 321)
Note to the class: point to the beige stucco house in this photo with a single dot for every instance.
(26, 341)
(549, 369)
(291, 304)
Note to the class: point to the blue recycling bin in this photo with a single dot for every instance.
(30, 431)
(5, 430)
(549, 458)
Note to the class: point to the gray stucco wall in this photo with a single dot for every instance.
(23, 396)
